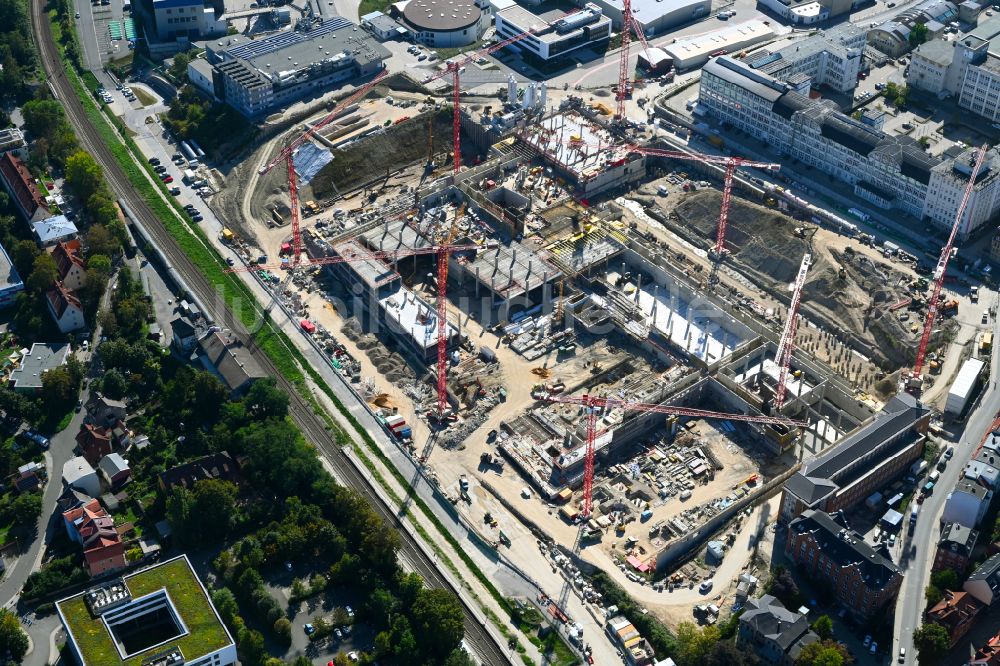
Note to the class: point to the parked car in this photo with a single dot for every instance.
(868, 640)
(159, 168)
(168, 179)
(874, 647)
(902, 655)
(705, 587)
(196, 218)
(176, 191)
(350, 611)
(309, 629)
(338, 633)
(155, 161)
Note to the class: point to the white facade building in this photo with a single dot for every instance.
(831, 58)
(186, 20)
(588, 27)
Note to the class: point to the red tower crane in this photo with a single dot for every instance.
(591, 403)
(455, 67)
(629, 23)
(442, 251)
(731, 164)
(942, 266)
(286, 155)
(787, 344)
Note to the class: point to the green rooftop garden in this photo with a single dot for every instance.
(205, 632)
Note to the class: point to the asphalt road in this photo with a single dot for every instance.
(910, 605)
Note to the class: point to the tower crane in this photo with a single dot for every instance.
(455, 67)
(787, 344)
(287, 152)
(444, 250)
(915, 384)
(592, 403)
(629, 23)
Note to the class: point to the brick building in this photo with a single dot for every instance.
(826, 550)
(955, 612)
(955, 548)
(21, 186)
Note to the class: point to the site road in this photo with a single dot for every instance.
(910, 605)
(478, 636)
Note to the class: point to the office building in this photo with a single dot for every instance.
(830, 58)
(889, 172)
(656, 17)
(830, 553)
(183, 20)
(806, 12)
(549, 40)
(158, 616)
(256, 76)
(862, 462)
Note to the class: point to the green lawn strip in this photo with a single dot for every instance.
(272, 341)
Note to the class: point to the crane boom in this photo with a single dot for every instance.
(592, 403)
(942, 267)
(787, 343)
(624, 79)
(377, 255)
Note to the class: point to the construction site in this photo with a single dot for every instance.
(581, 337)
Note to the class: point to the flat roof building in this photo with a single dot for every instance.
(549, 40)
(158, 616)
(445, 23)
(12, 141)
(260, 75)
(829, 58)
(695, 51)
(656, 17)
(41, 358)
(10, 282)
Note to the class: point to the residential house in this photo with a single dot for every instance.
(115, 470)
(80, 474)
(42, 357)
(863, 580)
(92, 527)
(226, 356)
(214, 466)
(103, 410)
(967, 503)
(984, 583)
(21, 186)
(29, 477)
(988, 654)
(65, 308)
(94, 442)
(862, 462)
(70, 267)
(955, 547)
(776, 634)
(984, 468)
(955, 612)
(52, 230)
(11, 283)
(185, 335)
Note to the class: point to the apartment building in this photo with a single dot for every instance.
(862, 462)
(890, 172)
(893, 37)
(829, 58)
(827, 551)
(955, 547)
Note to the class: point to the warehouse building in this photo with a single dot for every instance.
(549, 40)
(805, 12)
(890, 172)
(695, 51)
(656, 17)
(258, 76)
(893, 37)
(829, 58)
(445, 23)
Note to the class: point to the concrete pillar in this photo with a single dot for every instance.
(638, 287)
(477, 281)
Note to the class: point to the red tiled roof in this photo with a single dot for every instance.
(989, 653)
(95, 442)
(66, 258)
(96, 529)
(19, 180)
(60, 298)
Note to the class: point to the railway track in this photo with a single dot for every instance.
(489, 652)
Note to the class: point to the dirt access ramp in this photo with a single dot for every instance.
(845, 290)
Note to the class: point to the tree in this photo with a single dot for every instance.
(439, 622)
(283, 630)
(100, 241)
(945, 579)
(225, 603)
(203, 514)
(84, 175)
(459, 657)
(932, 642)
(823, 626)
(918, 34)
(265, 400)
(58, 389)
(783, 586)
(43, 274)
(694, 644)
(726, 653)
(823, 653)
(12, 637)
(932, 593)
(26, 508)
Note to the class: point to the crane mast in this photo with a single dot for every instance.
(787, 344)
(939, 272)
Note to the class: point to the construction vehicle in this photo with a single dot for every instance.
(311, 208)
(915, 383)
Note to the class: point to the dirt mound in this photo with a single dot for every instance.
(395, 147)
